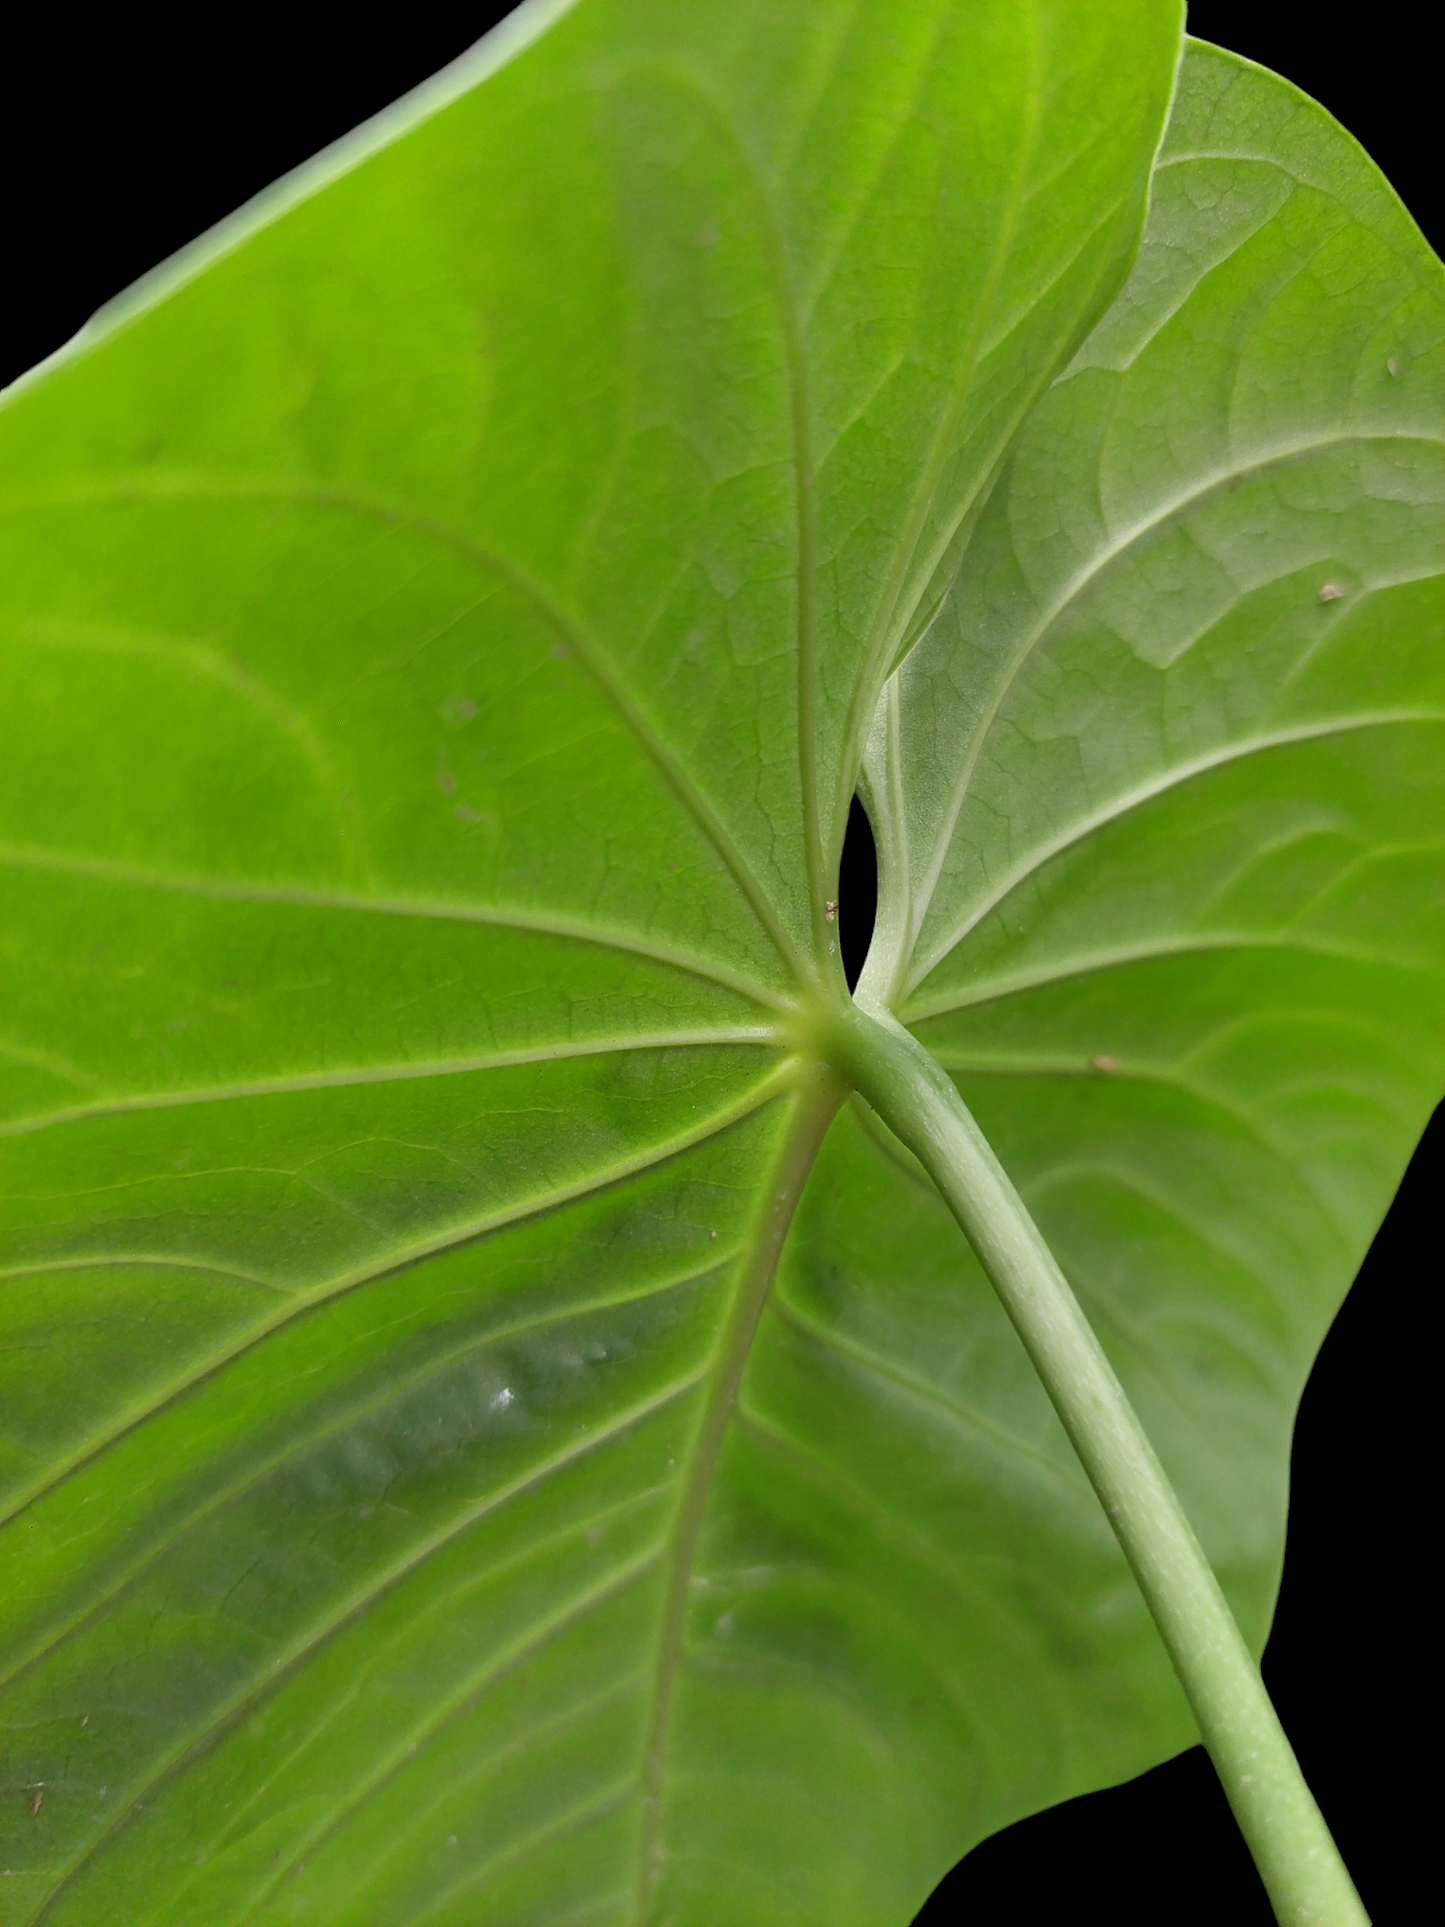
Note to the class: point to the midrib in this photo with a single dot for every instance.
(813, 1113)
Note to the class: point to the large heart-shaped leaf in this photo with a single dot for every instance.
(441, 622)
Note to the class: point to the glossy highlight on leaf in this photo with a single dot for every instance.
(492, 1430)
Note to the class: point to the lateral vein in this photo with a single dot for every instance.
(477, 1685)
(1119, 545)
(396, 1388)
(286, 1663)
(1146, 793)
(394, 1262)
(565, 626)
(1063, 970)
(568, 929)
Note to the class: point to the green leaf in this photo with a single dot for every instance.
(440, 621)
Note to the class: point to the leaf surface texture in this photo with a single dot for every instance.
(479, 1442)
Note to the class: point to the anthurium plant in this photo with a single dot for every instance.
(525, 1401)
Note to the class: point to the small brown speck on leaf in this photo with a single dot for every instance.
(830, 911)
(1331, 592)
(1103, 1063)
(560, 651)
(35, 1800)
(456, 709)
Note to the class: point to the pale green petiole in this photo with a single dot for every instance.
(1298, 1861)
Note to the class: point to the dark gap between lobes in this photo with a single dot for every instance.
(857, 892)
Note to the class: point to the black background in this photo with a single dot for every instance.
(124, 138)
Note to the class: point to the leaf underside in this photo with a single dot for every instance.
(440, 628)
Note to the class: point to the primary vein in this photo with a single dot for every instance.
(390, 1074)
(786, 307)
(565, 626)
(884, 626)
(812, 1116)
